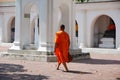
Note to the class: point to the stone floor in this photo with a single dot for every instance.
(99, 67)
(4, 46)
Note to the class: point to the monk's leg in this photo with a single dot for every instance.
(58, 65)
(65, 65)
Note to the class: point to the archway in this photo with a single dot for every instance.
(32, 26)
(11, 30)
(104, 32)
(76, 28)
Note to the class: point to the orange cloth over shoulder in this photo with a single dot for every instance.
(111, 27)
(62, 40)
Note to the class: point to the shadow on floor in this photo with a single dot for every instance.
(78, 72)
(22, 77)
(5, 68)
(13, 72)
(97, 61)
(118, 78)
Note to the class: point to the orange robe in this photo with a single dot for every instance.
(111, 27)
(62, 40)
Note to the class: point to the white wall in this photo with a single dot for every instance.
(92, 12)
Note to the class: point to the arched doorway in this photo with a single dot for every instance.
(31, 27)
(11, 30)
(76, 28)
(104, 32)
(34, 24)
(76, 32)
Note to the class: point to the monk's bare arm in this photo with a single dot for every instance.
(55, 47)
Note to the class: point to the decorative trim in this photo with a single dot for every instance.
(26, 15)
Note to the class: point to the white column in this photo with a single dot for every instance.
(43, 18)
(74, 39)
(81, 18)
(46, 26)
(5, 25)
(50, 37)
(16, 45)
(117, 24)
(1, 27)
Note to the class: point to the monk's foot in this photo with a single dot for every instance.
(66, 70)
(57, 69)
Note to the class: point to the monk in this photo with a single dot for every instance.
(62, 42)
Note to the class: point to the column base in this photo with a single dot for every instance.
(15, 46)
(43, 56)
(32, 55)
(82, 45)
(78, 54)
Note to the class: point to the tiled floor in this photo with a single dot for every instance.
(99, 67)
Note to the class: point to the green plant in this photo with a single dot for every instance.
(82, 1)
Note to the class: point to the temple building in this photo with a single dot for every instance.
(99, 26)
(30, 26)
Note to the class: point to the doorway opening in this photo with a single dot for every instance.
(104, 32)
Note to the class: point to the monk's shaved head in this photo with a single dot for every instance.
(62, 27)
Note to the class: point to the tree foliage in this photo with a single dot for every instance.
(82, 1)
